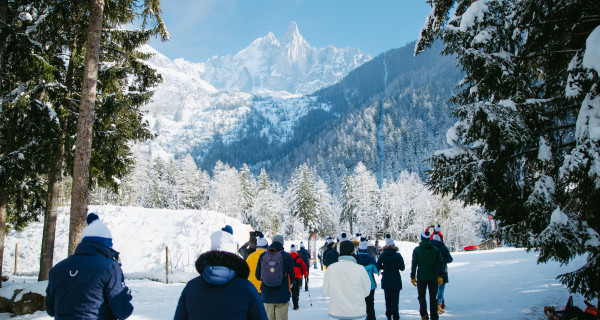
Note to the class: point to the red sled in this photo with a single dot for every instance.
(471, 248)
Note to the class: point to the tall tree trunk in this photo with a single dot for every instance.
(54, 181)
(3, 194)
(3, 20)
(3, 207)
(85, 124)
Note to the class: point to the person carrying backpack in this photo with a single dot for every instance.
(275, 269)
(306, 258)
(299, 271)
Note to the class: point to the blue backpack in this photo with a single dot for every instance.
(271, 272)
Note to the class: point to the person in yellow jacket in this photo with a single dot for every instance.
(261, 246)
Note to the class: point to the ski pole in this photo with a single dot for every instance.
(309, 298)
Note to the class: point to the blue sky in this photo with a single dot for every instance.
(201, 29)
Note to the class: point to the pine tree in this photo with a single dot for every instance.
(248, 193)
(124, 12)
(187, 179)
(524, 145)
(348, 203)
(302, 199)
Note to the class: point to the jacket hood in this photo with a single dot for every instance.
(92, 248)
(426, 244)
(390, 249)
(220, 267)
(277, 246)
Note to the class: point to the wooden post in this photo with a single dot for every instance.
(167, 264)
(16, 257)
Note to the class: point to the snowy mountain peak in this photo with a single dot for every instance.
(292, 34)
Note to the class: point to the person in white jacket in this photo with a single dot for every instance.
(347, 284)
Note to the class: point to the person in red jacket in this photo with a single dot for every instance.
(300, 270)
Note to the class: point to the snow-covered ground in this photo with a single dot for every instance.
(503, 283)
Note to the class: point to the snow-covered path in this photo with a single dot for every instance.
(498, 284)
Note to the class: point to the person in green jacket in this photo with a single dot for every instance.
(427, 266)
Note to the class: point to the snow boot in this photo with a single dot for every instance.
(440, 309)
(425, 317)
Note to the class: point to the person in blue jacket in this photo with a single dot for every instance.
(438, 243)
(89, 284)
(222, 291)
(366, 260)
(391, 263)
(277, 298)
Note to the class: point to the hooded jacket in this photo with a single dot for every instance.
(299, 265)
(445, 256)
(94, 273)
(222, 291)
(391, 263)
(282, 293)
(364, 259)
(428, 260)
(347, 284)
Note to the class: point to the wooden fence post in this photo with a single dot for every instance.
(167, 264)
(16, 257)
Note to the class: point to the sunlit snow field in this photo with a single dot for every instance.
(504, 283)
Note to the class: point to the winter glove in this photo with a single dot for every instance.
(413, 281)
(440, 281)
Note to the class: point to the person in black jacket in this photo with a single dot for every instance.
(89, 284)
(390, 263)
(222, 291)
(323, 250)
(437, 242)
(250, 246)
(305, 255)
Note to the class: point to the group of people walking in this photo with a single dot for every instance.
(346, 284)
(256, 285)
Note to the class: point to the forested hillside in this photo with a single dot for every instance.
(390, 113)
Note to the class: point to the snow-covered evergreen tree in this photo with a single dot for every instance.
(226, 191)
(526, 145)
(187, 182)
(302, 199)
(348, 203)
(248, 189)
(366, 197)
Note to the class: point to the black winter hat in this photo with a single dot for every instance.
(346, 248)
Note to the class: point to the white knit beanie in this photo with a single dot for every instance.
(388, 240)
(261, 241)
(96, 231)
(363, 244)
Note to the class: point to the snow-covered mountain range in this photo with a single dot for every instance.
(268, 65)
(198, 101)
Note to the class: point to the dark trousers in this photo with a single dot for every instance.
(296, 285)
(392, 298)
(370, 301)
(306, 283)
(422, 286)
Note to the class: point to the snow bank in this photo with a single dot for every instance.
(140, 235)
